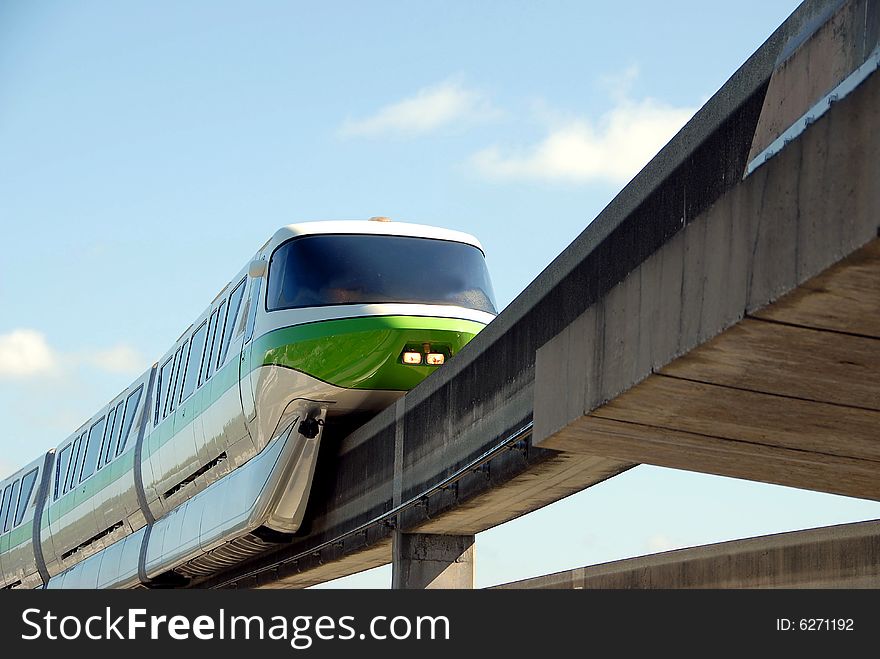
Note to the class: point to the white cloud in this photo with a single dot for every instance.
(25, 352)
(117, 359)
(613, 148)
(429, 109)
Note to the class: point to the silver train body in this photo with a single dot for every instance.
(208, 457)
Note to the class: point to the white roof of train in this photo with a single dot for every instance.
(383, 227)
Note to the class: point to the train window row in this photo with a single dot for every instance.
(16, 497)
(92, 450)
(198, 356)
(190, 367)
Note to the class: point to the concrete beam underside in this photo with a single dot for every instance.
(554, 479)
(844, 556)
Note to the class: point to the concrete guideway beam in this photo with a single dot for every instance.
(842, 556)
(789, 395)
(426, 560)
(749, 344)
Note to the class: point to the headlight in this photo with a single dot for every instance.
(413, 358)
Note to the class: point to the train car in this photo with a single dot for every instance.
(208, 457)
(21, 495)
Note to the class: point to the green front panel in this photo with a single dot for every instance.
(362, 353)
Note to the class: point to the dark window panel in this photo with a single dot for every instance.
(61, 470)
(218, 335)
(113, 432)
(162, 389)
(207, 369)
(176, 378)
(131, 405)
(93, 449)
(229, 324)
(356, 269)
(193, 362)
(74, 463)
(4, 506)
(27, 488)
(10, 507)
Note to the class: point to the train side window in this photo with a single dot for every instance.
(246, 309)
(167, 381)
(27, 488)
(108, 434)
(249, 317)
(61, 469)
(74, 463)
(176, 378)
(113, 423)
(229, 323)
(10, 506)
(218, 335)
(207, 362)
(92, 450)
(4, 506)
(194, 361)
(131, 405)
(162, 389)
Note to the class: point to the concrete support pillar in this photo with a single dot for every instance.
(423, 560)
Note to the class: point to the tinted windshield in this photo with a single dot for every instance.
(362, 269)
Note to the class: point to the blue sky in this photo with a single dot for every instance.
(148, 148)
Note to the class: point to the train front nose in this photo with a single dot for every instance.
(391, 353)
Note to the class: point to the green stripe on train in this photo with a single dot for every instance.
(17, 536)
(223, 380)
(117, 469)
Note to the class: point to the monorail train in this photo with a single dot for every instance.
(208, 457)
